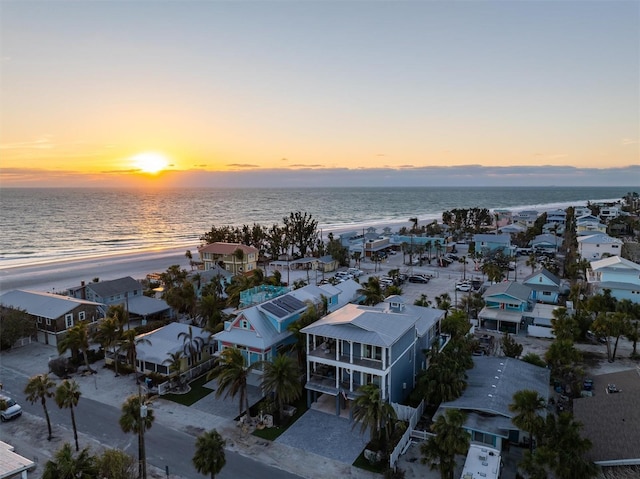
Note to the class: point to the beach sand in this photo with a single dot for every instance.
(59, 276)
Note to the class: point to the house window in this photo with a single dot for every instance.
(39, 320)
(48, 321)
(370, 379)
(244, 324)
(163, 369)
(371, 352)
(68, 318)
(81, 316)
(483, 438)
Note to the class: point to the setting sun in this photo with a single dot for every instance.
(150, 162)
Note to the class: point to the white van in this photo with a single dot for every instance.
(9, 409)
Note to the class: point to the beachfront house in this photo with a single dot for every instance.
(618, 275)
(357, 345)
(505, 305)
(545, 286)
(236, 258)
(598, 246)
(53, 313)
(588, 225)
(126, 292)
(491, 384)
(526, 218)
(154, 349)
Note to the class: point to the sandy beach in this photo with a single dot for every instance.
(59, 276)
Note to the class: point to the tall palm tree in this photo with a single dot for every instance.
(108, 334)
(423, 301)
(174, 361)
(191, 344)
(231, 372)
(136, 418)
(64, 465)
(77, 339)
(282, 379)
(67, 397)
(372, 291)
(443, 302)
(209, 457)
(527, 405)
(532, 262)
(374, 413)
(39, 388)
(450, 439)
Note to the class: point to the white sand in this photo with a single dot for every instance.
(59, 276)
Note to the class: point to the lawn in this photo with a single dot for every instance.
(197, 392)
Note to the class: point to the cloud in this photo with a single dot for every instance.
(301, 165)
(628, 141)
(242, 165)
(41, 143)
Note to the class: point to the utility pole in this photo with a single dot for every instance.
(142, 467)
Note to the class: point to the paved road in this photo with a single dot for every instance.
(164, 446)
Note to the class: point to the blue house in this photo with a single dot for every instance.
(545, 286)
(358, 345)
(619, 275)
(487, 243)
(505, 304)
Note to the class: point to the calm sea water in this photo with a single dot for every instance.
(39, 225)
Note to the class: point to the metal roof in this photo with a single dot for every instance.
(493, 381)
(46, 305)
(164, 341)
(544, 272)
(144, 306)
(510, 288)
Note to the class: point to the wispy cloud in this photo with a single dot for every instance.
(41, 143)
(628, 141)
(242, 165)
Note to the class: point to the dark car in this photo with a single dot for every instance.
(418, 279)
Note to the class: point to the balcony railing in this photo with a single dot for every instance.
(330, 355)
(327, 385)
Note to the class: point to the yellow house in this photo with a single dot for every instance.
(234, 257)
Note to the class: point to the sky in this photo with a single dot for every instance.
(319, 93)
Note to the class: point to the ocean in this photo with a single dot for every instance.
(40, 225)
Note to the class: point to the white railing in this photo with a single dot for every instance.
(405, 413)
(186, 376)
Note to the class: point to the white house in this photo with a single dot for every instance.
(596, 246)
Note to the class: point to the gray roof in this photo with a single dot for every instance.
(547, 274)
(510, 288)
(114, 286)
(144, 306)
(599, 238)
(489, 238)
(46, 305)
(264, 335)
(612, 421)
(493, 381)
(363, 324)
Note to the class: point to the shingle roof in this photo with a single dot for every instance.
(47, 305)
(510, 288)
(113, 287)
(612, 421)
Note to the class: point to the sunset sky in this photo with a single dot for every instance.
(233, 93)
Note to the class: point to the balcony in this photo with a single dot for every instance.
(329, 354)
(327, 385)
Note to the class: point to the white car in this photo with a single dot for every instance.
(343, 275)
(355, 272)
(463, 286)
(9, 409)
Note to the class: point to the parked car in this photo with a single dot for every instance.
(9, 409)
(355, 272)
(418, 279)
(464, 286)
(344, 275)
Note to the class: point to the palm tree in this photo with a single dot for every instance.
(39, 388)
(282, 379)
(128, 345)
(374, 413)
(189, 256)
(108, 334)
(137, 418)
(64, 466)
(450, 439)
(191, 345)
(67, 396)
(443, 302)
(372, 291)
(232, 372)
(422, 301)
(239, 255)
(77, 339)
(532, 262)
(174, 361)
(209, 457)
(527, 404)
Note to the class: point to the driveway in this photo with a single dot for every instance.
(326, 435)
